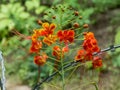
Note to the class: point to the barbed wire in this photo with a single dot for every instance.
(38, 85)
(3, 79)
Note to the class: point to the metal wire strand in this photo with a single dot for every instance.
(3, 72)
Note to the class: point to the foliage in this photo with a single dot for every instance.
(35, 6)
(116, 56)
(16, 16)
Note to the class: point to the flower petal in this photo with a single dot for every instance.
(52, 26)
(45, 25)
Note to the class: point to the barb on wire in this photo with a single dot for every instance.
(112, 48)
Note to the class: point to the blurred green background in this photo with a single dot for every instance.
(103, 17)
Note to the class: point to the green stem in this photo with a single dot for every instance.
(38, 73)
(61, 19)
(61, 59)
(96, 87)
(62, 73)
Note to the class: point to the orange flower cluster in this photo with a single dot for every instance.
(90, 43)
(90, 46)
(47, 32)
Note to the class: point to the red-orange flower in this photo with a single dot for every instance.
(97, 62)
(90, 43)
(40, 59)
(89, 47)
(65, 49)
(50, 39)
(89, 35)
(88, 56)
(66, 36)
(82, 56)
(36, 46)
(34, 37)
(48, 29)
(36, 34)
(57, 51)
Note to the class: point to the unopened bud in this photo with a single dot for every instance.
(45, 13)
(54, 17)
(53, 8)
(63, 10)
(76, 13)
(76, 25)
(85, 26)
(39, 22)
(80, 17)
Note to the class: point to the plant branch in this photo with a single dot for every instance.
(111, 48)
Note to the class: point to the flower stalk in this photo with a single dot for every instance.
(96, 87)
(62, 73)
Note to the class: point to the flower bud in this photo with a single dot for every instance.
(80, 17)
(45, 13)
(76, 13)
(39, 22)
(53, 17)
(85, 26)
(76, 25)
(63, 10)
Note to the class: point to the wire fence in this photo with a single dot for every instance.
(74, 63)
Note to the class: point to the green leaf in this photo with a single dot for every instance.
(32, 4)
(2, 16)
(4, 23)
(87, 12)
(39, 10)
(24, 15)
(116, 61)
(88, 64)
(117, 36)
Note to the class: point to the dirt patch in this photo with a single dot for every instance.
(11, 85)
